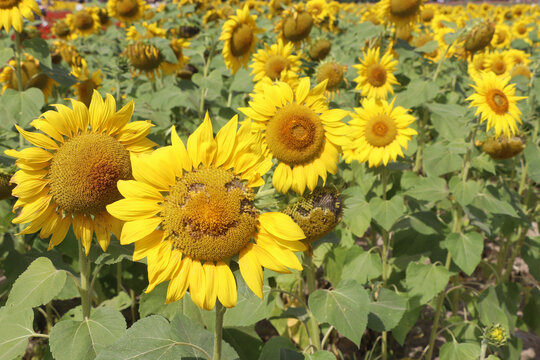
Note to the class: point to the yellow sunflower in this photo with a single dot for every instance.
(144, 58)
(32, 76)
(333, 73)
(239, 34)
(190, 211)
(127, 11)
(276, 62)
(496, 103)
(378, 132)
(83, 22)
(299, 131)
(71, 174)
(375, 74)
(62, 30)
(499, 63)
(178, 46)
(86, 84)
(12, 12)
(402, 13)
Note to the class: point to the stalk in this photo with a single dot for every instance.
(313, 325)
(218, 330)
(384, 233)
(84, 265)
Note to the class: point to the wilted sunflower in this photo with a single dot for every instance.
(402, 13)
(378, 132)
(83, 22)
(277, 62)
(144, 58)
(239, 35)
(496, 103)
(62, 30)
(295, 25)
(320, 49)
(500, 148)
(71, 174)
(12, 12)
(127, 11)
(375, 74)
(190, 211)
(299, 131)
(333, 73)
(32, 76)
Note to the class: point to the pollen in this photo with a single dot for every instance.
(295, 134)
(497, 101)
(376, 75)
(84, 172)
(380, 130)
(209, 214)
(242, 38)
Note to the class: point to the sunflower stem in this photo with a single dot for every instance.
(218, 330)
(84, 265)
(20, 86)
(467, 159)
(384, 260)
(313, 325)
(205, 74)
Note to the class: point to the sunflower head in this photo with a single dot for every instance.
(61, 29)
(12, 12)
(144, 57)
(404, 8)
(332, 72)
(126, 10)
(479, 37)
(503, 147)
(297, 26)
(320, 49)
(83, 20)
(427, 14)
(376, 74)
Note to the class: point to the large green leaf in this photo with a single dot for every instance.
(429, 189)
(455, 351)
(449, 120)
(494, 206)
(466, 250)
(425, 281)
(249, 308)
(154, 337)
(321, 355)
(357, 215)
(362, 267)
(387, 311)
(38, 285)
(345, 307)
(21, 107)
(532, 157)
(85, 339)
(464, 192)
(15, 330)
(386, 212)
(417, 93)
(439, 160)
(274, 347)
(38, 48)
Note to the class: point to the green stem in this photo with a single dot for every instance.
(422, 123)
(205, 74)
(483, 350)
(84, 265)
(313, 325)
(467, 159)
(218, 330)
(119, 277)
(384, 233)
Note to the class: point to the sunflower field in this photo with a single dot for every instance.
(261, 180)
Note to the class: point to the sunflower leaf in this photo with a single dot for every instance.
(15, 331)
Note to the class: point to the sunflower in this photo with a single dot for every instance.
(276, 62)
(496, 103)
(379, 131)
(12, 12)
(86, 83)
(295, 24)
(62, 30)
(402, 13)
(477, 64)
(521, 29)
(299, 131)
(502, 37)
(333, 73)
(71, 174)
(144, 58)
(499, 63)
(375, 74)
(32, 76)
(83, 22)
(127, 11)
(239, 34)
(190, 211)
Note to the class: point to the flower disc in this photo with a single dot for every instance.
(275, 65)
(242, 38)
(8, 4)
(380, 130)
(84, 173)
(127, 8)
(405, 8)
(297, 28)
(497, 101)
(376, 75)
(83, 20)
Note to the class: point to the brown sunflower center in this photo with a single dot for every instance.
(127, 8)
(242, 37)
(275, 65)
(83, 20)
(376, 75)
(404, 8)
(297, 27)
(380, 130)
(521, 29)
(320, 49)
(8, 4)
(209, 214)
(84, 172)
(499, 67)
(295, 135)
(497, 101)
(331, 72)
(501, 37)
(428, 14)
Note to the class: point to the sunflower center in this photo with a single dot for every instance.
(209, 214)
(381, 130)
(83, 20)
(331, 72)
(8, 4)
(499, 67)
(242, 38)
(497, 101)
(84, 172)
(127, 7)
(62, 29)
(295, 134)
(297, 28)
(275, 65)
(521, 29)
(376, 75)
(403, 8)
(144, 57)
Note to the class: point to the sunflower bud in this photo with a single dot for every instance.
(297, 26)
(503, 147)
(427, 14)
(320, 49)
(144, 57)
(496, 335)
(317, 213)
(479, 37)
(5, 186)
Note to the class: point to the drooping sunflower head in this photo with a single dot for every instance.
(62, 30)
(86, 84)
(83, 22)
(496, 102)
(296, 25)
(299, 131)
(191, 212)
(12, 12)
(127, 11)
(144, 57)
(333, 73)
(32, 76)
(400, 12)
(277, 62)
(500, 148)
(479, 37)
(379, 132)
(239, 35)
(70, 176)
(375, 74)
(320, 49)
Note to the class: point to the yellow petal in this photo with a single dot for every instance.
(139, 190)
(148, 245)
(211, 285)
(226, 139)
(281, 226)
(33, 210)
(133, 209)
(38, 139)
(267, 260)
(83, 229)
(302, 90)
(180, 152)
(197, 283)
(201, 145)
(60, 232)
(138, 229)
(251, 270)
(226, 285)
(179, 281)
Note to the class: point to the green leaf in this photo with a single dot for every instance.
(387, 311)
(357, 215)
(273, 348)
(428, 47)
(494, 206)
(85, 339)
(429, 189)
(418, 92)
(492, 310)
(362, 267)
(38, 285)
(119, 302)
(5, 55)
(532, 157)
(455, 351)
(38, 48)
(242, 82)
(466, 250)
(247, 346)
(153, 303)
(345, 307)
(386, 212)
(321, 355)
(249, 308)
(15, 331)
(22, 107)
(450, 120)
(439, 160)
(154, 337)
(464, 192)
(425, 281)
